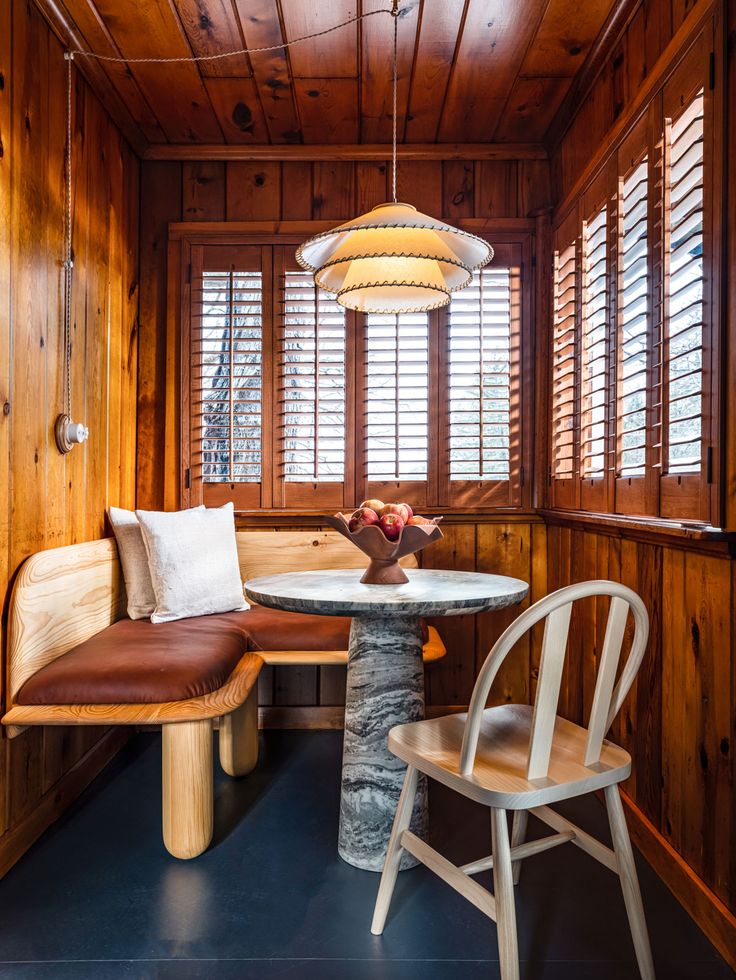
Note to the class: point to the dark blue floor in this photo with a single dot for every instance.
(98, 897)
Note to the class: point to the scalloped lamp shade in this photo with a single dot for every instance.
(393, 260)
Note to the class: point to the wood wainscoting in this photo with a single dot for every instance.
(47, 499)
(680, 718)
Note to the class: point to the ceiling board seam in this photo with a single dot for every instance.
(453, 66)
(185, 38)
(412, 70)
(256, 86)
(287, 55)
(528, 48)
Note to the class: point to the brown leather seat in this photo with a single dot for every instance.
(137, 662)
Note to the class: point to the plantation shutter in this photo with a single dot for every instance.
(228, 390)
(312, 412)
(564, 444)
(396, 406)
(594, 346)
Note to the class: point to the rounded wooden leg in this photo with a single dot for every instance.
(518, 834)
(238, 739)
(629, 882)
(188, 809)
(503, 887)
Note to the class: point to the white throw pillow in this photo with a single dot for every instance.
(193, 561)
(134, 559)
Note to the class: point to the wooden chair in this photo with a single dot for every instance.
(513, 757)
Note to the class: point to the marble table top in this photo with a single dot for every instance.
(429, 592)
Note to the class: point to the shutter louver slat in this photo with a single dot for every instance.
(480, 323)
(684, 328)
(633, 323)
(312, 389)
(227, 376)
(397, 397)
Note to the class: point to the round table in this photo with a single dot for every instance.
(385, 685)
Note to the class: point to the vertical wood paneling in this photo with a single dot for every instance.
(48, 500)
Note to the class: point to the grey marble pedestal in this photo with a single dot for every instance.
(385, 684)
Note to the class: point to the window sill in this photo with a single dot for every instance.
(315, 518)
(688, 534)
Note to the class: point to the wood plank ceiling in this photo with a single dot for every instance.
(470, 70)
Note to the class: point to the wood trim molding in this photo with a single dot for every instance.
(693, 537)
(15, 843)
(701, 904)
(662, 70)
(278, 152)
(610, 34)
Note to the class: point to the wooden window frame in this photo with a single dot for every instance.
(515, 495)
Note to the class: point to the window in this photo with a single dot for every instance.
(633, 322)
(631, 356)
(312, 383)
(594, 346)
(480, 378)
(563, 362)
(684, 327)
(293, 402)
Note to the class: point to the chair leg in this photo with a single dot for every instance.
(188, 807)
(629, 882)
(518, 835)
(395, 850)
(238, 739)
(503, 888)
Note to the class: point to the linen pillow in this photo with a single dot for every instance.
(134, 559)
(193, 561)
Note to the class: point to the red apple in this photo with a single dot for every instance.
(392, 526)
(362, 517)
(418, 519)
(393, 509)
(409, 512)
(373, 504)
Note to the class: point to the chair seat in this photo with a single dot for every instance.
(499, 776)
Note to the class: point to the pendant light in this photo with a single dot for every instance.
(394, 259)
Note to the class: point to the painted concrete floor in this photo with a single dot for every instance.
(98, 897)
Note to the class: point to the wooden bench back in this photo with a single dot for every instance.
(272, 552)
(63, 596)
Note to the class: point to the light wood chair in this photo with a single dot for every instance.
(513, 757)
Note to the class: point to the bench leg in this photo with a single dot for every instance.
(239, 737)
(188, 807)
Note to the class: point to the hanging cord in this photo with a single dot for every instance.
(239, 51)
(395, 15)
(68, 261)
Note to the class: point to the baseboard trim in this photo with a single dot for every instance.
(15, 843)
(327, 717)
(700, 902)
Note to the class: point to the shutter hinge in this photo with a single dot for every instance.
(522, 477)
(709, 465)
(187, 478)
(549, 476)
(522, 272)
(712, 71)
(189, 272)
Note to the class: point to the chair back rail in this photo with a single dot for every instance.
(63, 596)
(608, 699)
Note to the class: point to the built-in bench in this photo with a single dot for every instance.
(75, 659)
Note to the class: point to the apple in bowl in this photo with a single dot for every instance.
(392, 525)
(362, 517)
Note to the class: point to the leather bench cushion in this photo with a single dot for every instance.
(139, 662)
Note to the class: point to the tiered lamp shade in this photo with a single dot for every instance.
(393, 260)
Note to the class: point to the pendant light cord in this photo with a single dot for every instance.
(68, 260)
(395, 15)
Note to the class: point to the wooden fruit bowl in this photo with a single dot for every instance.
(384, 568)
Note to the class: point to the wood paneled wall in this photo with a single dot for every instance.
(651, 28)
(47, 499)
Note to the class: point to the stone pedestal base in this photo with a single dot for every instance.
(385, 687)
